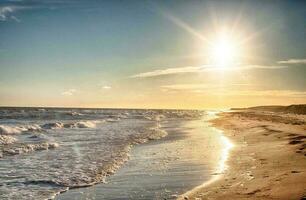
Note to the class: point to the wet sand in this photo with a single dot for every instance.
(192, 153)
(267, 162)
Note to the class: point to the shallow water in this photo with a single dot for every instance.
(47, 151)
(192, 153)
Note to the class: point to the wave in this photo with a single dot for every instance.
(7, 130)
(112, 119)
(80, 124)
(52, 113)
(55, 125)
(27, 148)
(73, 114)
(11, 130)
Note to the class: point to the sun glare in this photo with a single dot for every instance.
(224, 52)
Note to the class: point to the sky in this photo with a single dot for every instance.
(152, 54)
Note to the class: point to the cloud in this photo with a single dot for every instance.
(106, 87)
(167, 71)
(262, 67)
(69, 92)
(198, 87)
(190, 69)
(265, 93)
(186, 86)
(293, 61)
(232, 90)
(6, 13)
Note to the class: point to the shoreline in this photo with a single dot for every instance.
(267, 162)
(165, 168)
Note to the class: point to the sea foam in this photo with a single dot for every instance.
(7, 130)
(7, 139)
(27, 148)
(79, 124)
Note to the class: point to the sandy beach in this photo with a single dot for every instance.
(267, 162)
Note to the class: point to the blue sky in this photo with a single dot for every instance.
(149, 53)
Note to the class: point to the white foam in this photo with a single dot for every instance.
(33, 127)
(85, 124)
(7, 139)
(74, 114)
(7, 130)
(56, 125)
(112, 120)
(80, 124)
(27, 148)
(157, 133)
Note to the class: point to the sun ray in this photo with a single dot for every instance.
(180, 23)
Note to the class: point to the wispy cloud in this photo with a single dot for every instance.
(264, 93)
(231, 90)
(69, 92)
(9, 8)
(198, 69)
(160, 72)
(200, 86)
(262, 67)
(293, 61)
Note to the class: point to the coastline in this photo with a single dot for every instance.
(164, 168)
(268, 161)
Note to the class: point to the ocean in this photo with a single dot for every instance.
(45, 151)
(94, 153)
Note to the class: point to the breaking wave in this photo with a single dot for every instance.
(10, 130)
(80, 124)
(27, 148)
(7, 130)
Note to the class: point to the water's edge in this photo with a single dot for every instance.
(179, 134)
(111, 171)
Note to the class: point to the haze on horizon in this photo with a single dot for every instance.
(152, 54)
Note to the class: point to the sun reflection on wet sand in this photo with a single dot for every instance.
(224, 154)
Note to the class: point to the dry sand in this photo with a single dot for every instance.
(267, 162)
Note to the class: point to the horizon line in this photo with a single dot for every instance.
(125, 108)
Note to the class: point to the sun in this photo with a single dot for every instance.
(224, 51)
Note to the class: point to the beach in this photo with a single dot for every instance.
(152, 154)
(193, 152)
(267, 162)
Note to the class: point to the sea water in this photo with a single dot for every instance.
(45, 151)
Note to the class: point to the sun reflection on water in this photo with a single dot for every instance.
(224, 154)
